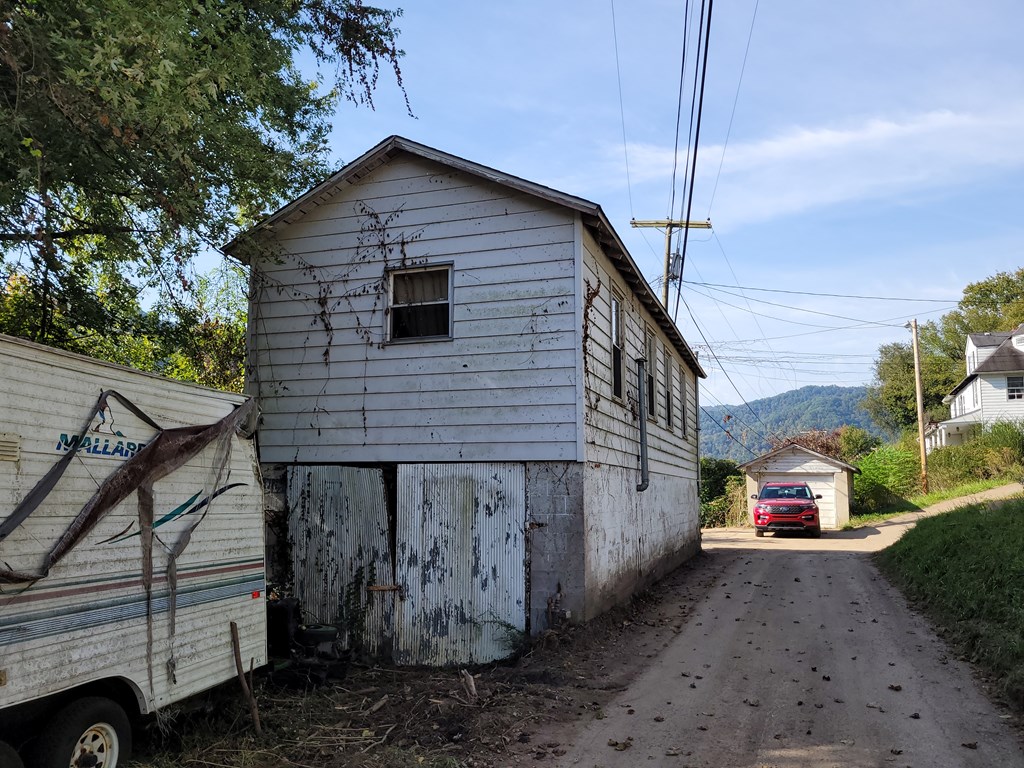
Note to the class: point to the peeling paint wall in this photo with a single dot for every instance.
(461, 562)
(432, 572)
(633, 539)
(555, 531)
(339, 535)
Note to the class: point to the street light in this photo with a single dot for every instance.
(912, 325)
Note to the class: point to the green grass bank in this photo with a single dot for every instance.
(965, 571)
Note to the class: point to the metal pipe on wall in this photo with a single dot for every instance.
(641, 372)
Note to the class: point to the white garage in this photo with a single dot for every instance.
(830, 477)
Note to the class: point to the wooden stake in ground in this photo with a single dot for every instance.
(246, 691)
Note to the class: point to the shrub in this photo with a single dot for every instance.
(955, 465)
(888, 473)
(729, 509)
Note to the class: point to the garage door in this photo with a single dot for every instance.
(823, 484)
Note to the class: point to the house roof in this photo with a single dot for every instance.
(592, 214)
(1007, 358)
(989, 338)
(793, 446)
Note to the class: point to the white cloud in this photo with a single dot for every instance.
(878, 159)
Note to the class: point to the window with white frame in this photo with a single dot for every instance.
(667, 367)
(1015, 387)
(421, 305)
(683, 396)
(618, 342)
(650, 349)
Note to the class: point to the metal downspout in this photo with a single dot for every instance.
(696, 430)
(641, 372)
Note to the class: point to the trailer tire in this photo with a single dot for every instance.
(93, 725)
(9, 757)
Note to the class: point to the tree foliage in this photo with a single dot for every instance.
(847, 443)
(134, 134)
(713, 475)
(993, 304)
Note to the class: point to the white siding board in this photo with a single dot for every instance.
(428, 226)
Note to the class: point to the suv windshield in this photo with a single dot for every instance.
(795, 492)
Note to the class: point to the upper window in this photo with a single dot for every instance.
(682, 399)
(618, 340)
(668, 387)
(652, 375)
(1015, 387)
(421, 305)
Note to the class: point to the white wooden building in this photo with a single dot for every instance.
(992, 390)
(830, 477)
(446, 360)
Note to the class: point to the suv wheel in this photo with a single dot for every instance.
(759, 534)
(816, 532)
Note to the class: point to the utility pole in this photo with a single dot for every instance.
(669, 225)
(912, 325)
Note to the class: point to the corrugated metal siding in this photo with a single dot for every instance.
(338, 529)
(461, 562)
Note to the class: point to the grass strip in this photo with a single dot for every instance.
(919, 502)
(965, 571)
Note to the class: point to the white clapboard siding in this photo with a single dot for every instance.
(85, 621)
(612, 432)
(361, 399)
(994, 404)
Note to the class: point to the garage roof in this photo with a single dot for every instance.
(794, 446)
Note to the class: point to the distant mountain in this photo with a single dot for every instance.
(785, 415)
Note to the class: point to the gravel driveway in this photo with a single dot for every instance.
(803, 655)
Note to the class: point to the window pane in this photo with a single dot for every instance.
(421, 287)
(422, 320)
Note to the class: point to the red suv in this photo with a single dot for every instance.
(786, 507)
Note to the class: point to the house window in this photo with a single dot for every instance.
(652, 376)
(668, 389)
(682, 399)
(1015, 387)
(618, 337)
(421, 303)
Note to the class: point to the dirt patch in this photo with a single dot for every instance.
(388, 717)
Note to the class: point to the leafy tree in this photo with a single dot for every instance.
(993, 304)
(135, 133)
(856, 443)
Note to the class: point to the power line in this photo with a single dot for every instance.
(729, 434)
(786, 306)
(732, 115)
(696, 145)
(622, 109)
(828, 295)
(727, 376)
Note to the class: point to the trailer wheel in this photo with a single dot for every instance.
(91, 732)
(9, 757)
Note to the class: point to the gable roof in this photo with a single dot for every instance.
(793, 446)
(1007, 358)
(592, 214)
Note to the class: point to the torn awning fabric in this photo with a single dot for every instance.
(166, 452)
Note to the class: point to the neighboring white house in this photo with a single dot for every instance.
(831, 478)
(446, 358)
(992, 391)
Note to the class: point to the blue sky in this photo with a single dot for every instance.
(876, 149)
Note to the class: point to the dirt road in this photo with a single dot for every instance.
(802, 655)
